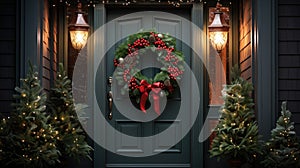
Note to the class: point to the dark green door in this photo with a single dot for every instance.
(180, 155)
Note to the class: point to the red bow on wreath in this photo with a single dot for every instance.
(145, 88)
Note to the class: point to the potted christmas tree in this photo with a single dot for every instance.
(26, 140)
(237, 131)
(282, 150)
(71, 139)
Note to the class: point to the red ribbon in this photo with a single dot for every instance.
(145, 88)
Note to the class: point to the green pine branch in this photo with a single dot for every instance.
(237, 130)
(29, 140)
(71, 138)
(282, 150)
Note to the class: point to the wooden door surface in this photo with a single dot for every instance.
(126, 22)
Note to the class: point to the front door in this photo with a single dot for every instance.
(127, 22)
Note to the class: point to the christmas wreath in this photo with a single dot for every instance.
(130, 78)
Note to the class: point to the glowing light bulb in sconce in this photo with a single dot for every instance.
(218, 30)
(79, 30)
(79, 38)
(219, 40)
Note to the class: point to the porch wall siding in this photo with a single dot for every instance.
(289, 57)
(7, 53)
(49, 45)
(245, 60)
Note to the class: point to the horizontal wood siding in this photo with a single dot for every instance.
(46, 48)
(55, 40)
(245, 39)
(7, 54)
(289, 57)
(49, 45)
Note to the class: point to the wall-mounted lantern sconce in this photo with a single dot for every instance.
(79, 30)
(218, 30)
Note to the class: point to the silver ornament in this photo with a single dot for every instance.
(121, 60)
(161, 93)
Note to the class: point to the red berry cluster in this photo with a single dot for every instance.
(116, 62)
(172, 58)
(132, 84)
(139, 43)
(174, 71)
(161, 85)
(170, 89)
(126, 75)
(160, 44)
(172, 77)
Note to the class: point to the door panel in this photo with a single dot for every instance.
(178, 154)
(128, 26)
(130, 128)
(160, 144)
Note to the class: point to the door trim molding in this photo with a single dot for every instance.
(99, 20)
(264, 58)
(31, 45)
(197, 149)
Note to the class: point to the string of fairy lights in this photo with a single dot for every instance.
(176, 3)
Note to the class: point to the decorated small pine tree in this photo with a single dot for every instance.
(237, 131)
(27, 140)
(71, 139)
(4, 132)
(283, 150)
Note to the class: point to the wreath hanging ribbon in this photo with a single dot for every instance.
(131, 78)
(145, 88)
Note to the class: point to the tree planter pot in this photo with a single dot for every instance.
(68, 162)
(234, 163)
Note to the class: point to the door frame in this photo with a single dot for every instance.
(197, 156)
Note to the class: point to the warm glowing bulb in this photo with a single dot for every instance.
(79, 38)
(218, 39)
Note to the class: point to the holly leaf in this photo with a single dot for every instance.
(168, 39)
(137, 100)
(136, 92)
(163, 69)
(162, 76)
(153, 49)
